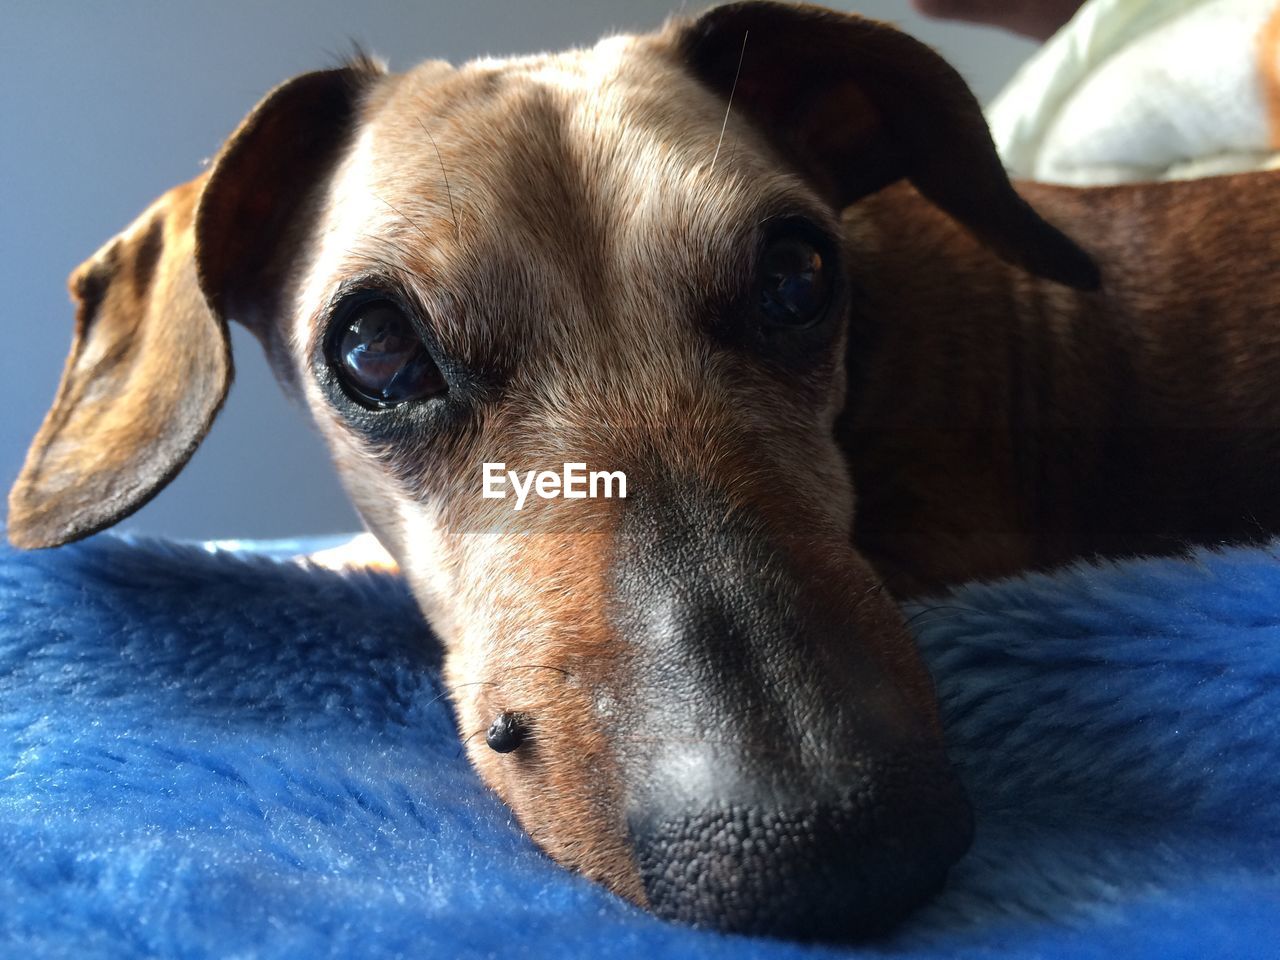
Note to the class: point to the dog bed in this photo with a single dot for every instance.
(220, 753)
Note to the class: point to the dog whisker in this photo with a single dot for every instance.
(448, 192)
(449, 691)
(408, 219)
(729, 107)
(543, 666)
(937, 607)
(463, 745)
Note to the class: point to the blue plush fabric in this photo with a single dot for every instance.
(213, 755)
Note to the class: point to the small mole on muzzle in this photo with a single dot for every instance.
(507, 732)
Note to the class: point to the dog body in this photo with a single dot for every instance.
(680, 256)
(1003, 423)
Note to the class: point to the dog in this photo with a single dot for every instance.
(766, 263)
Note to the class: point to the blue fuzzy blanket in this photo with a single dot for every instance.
(209, 755)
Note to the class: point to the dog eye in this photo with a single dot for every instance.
(794, 284)
(380, 359)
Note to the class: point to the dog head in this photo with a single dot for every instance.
(628, 257)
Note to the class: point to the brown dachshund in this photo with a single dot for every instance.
(754, 262)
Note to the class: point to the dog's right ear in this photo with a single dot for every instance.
(150, 362)
(857, 104)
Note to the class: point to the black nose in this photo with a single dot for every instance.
(844, 867)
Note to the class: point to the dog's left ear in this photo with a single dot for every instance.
(857, 104)
(150, 363)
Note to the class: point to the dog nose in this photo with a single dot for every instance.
(791, 778)
(834, 869)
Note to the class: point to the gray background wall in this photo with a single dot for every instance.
(106, 105)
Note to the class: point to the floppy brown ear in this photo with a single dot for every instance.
(149, 367)
(857, 104)
(150, 362)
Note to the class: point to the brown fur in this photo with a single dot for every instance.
(147, 373)
(1004, 423)
(577, 236)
